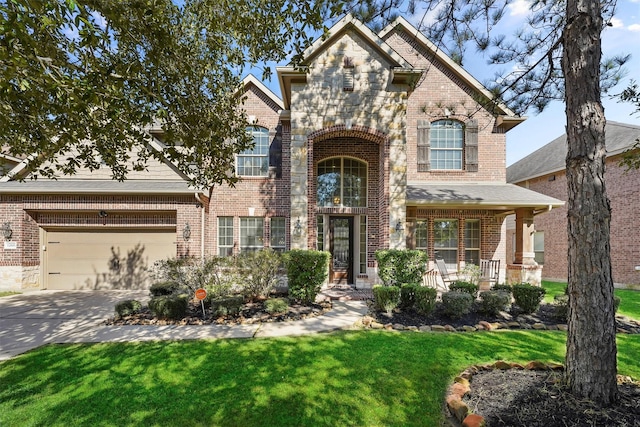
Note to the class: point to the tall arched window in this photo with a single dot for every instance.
(255, 162)
(342, 181)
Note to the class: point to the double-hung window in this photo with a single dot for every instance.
(225, 236)
(251, 234)
(445, 241)
(278, 234)
(255, 161)
(447, 145)
(472, 241)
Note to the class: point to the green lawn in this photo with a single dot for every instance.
(629, 299)
(8, 293)
(348, 378)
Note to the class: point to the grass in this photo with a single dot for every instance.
(348, 378)
(629, 299)
(8, 293)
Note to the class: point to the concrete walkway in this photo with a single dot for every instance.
(37, 318)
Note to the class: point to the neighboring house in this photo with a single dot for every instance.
(379, 141)
(544, 171)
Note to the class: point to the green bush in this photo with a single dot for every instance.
(397, 266)
(215, 274)
(276, 305)
(425, 300)
(468, 287)
(258, 272)
(169, 306)
(164, 288)
(408, 295)
(127, 307)
(493, 302)
(528, 297)
(386, 298)
(505, 288)
(229, 305)
(456, 304)
(306, 272)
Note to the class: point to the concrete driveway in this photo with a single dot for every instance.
(32, 319)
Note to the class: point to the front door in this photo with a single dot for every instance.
(341, 248)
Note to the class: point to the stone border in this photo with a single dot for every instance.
(462, 385)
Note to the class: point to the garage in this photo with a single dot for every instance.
(99, 259)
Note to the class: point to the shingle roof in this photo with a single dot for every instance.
(483, 195)
(96, 186)
(551, 157)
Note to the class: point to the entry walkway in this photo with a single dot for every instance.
(33, 319)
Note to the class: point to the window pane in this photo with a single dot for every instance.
(278, 234)
(447, 143)
(363, 244)
(342, 182)
(472, 241)
(329, 182)
(251, 234)
(255, 162)
(320, 233)
(445, 241)
(422, 240)
(538, 247)
(225, 236)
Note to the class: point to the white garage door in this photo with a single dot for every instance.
(104, 259)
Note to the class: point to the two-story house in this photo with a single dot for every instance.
(378, 141)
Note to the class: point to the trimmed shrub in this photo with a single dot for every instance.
(456, 304)
(396, 266)
(306, 272)
(276, 305)
(504, 288)
(127, 307)
(224, 306)
(425, 300)
(561, 307)
(528, 297)
(493, 302)
(408, 295)
(468, 287)
(215, 274)
(164, 288)
(258, 272)
(169, 306)
(386, 298)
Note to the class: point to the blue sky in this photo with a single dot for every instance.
(622, 38)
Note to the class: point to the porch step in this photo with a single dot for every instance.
(344, 293)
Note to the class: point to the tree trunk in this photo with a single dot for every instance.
(591, 340)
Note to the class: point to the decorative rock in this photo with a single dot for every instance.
(437, 328)
(516, 366)
(474, 420)
(535, 365)
(411, 328)
(486, 325)
(425, 328)
(459, 389)
(552, 327)
(367, 320)
(502, 365)
(525, 326)
(502, 325)
(513, 324)
(555, 366)
(376, 325)
(469, 329)
(398, 326)
(539, 326)
(458, 408)
(462, 380)
(449, 328)
(563, 328)
(388, 326)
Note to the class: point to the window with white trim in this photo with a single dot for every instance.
(472, 241)
(447, 145)
(251, 234)
(422, 234)
(225, 236)
(538, 246)
(342, 181)
(445, 241)
(255, 161)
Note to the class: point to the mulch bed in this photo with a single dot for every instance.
(250, 313)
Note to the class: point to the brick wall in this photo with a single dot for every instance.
(622, 189)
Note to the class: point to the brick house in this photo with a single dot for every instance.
(379, 141)
(544, 171)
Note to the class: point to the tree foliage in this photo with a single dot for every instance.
(81, 82)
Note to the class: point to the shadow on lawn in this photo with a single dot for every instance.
(348, 378)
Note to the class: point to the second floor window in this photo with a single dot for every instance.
(255, 162)
(447, 144)
(342, 182)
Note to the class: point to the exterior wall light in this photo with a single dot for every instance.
(186, 232)
(7, 232)
(297, 228)
(399, 227)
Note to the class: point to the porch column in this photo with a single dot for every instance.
(524, 241)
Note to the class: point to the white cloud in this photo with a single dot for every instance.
(519, 8)
(616, 22)
(634, 27)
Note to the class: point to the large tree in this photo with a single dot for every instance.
(81, 81)
(555, 55)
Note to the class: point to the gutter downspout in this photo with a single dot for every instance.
(197, 196)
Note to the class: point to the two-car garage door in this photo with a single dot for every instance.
(103, 259)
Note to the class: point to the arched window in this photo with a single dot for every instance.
(447, 144)
(342, 181)
(255, 162)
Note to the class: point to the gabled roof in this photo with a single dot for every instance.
(552, 157)
(506, 117)
(250, 79)
(401, 69)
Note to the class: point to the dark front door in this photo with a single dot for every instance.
(341, 247)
